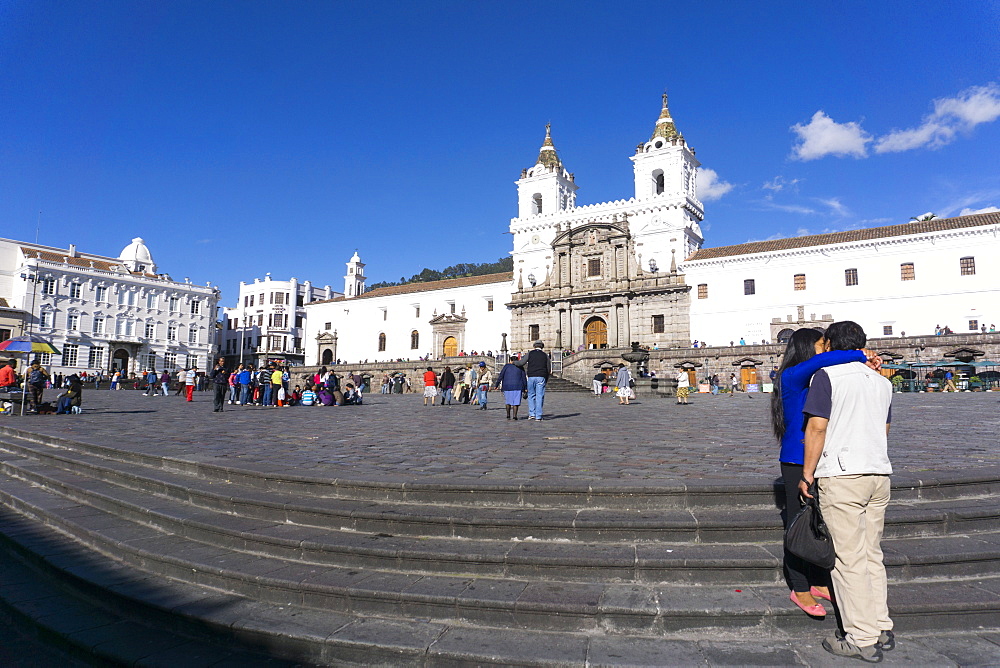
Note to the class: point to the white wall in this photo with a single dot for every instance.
(939, 295)
(359, 321)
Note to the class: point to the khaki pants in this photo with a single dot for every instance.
(853, 507)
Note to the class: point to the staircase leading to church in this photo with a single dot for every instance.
(125, 558)
(561, 384)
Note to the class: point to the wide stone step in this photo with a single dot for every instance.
(914, 517)
(619, 494)
(650, 608)
(659, 561)
(566, 560)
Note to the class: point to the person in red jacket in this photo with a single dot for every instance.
(430, 385)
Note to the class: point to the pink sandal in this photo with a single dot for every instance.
(812, 610)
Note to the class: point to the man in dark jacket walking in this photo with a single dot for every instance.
(220, 383)
(537, 366)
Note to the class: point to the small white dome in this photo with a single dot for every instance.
(137, 257)
(355, 258)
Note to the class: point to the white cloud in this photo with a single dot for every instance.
(823, 136)
(975, 198)
(971, 212)
(710, 187)
(836, 207)
(787, 208)
(779, 183)
(952, 115)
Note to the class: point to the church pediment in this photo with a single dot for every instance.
(688, 364)
(591, 234)
(325, 337)
(965, 354)
(448, 319)
(747, 361)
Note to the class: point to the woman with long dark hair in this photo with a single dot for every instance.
(804, 356)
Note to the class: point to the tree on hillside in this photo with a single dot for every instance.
(458, 270)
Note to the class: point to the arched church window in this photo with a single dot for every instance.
(381, 343)
(537, 203)
(658, 182)
(414, 340)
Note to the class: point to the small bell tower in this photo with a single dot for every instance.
(546, 187)
(354, 281)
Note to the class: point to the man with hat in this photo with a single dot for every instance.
(538, 367)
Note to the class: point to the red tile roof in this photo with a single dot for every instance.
(427, 286)
(906, 229)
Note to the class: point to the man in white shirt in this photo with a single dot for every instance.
(846, 453)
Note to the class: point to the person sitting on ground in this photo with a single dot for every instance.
(72, 397)
(353, 395)
(309, 397)
(294, 396)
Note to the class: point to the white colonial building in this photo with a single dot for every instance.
(268, 321)
(607, 274)
(437, 319)
(106, 313)
(893, 280)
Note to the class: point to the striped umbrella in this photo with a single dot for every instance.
(28, 343)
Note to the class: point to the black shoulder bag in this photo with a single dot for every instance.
(807, 536)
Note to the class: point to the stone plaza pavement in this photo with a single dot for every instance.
(582, 438)
(583, 441)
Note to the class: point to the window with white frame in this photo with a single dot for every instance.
(126, 298)
(96, 358)
(45, 319)
(44, 359)
(75, 290)
(98, 325)
(192, 361)
(72, 322)
(175, 303)
(71, 353)
(124, 327)
(100, 294)
(172, 333)
(170, 360)
(150, 332)
(195, 307)
(147, 360)
(151, 299)
(48, 286)
(193, 335)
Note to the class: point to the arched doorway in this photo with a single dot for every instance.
(327, 357)
(595, 333)
(450, 347)
(784, 335)
(120, 360)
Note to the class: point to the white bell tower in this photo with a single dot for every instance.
(547, 187)
(666, 178)
(354, 281)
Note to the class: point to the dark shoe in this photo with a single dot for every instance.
(843, 647)
(886, 641)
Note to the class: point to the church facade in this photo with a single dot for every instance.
(635, 270)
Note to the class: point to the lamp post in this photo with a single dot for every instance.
(30, 274)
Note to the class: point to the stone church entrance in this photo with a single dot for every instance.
(595, 333)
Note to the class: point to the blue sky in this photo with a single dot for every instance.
(245, 137)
